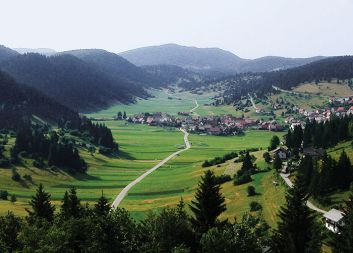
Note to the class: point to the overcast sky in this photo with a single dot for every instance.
(248, 28)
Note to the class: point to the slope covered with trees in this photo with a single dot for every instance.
(261, 83)
(68, 80)
(6, 53)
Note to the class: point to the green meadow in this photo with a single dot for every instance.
(141, 147)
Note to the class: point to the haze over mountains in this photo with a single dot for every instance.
(209, 59)
(92, 79)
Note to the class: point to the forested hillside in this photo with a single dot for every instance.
(117, 69)
(6, 53)
(18, 102)
(68, 80)
(261, 83)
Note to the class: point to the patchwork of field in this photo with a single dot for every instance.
(179, 177)
(141, 148)
(168, 102)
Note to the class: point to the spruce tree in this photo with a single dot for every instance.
(41, 206)
(297, 231)
(343, 171)
(208, 204)
(343, 241)
(71, 206)
(102, 207)
(277, 163)
(247, 163)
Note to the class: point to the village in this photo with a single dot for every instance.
(223, 125)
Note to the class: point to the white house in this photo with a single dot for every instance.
(334, 220)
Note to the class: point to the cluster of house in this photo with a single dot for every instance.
(333, 218)
(318, 115)
(341, 101)
(212, 125)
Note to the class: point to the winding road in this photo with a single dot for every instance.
(124, 192)
(308, 203)
(197, 106)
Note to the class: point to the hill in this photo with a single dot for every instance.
(209, 59)
(196, 59)
(6, 53)
(19, 102)
(116, 68)
(43, 51)
(69, 80)
(327, 69)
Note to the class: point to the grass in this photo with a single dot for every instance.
(141, 147)
(326, 89)
(179, 177)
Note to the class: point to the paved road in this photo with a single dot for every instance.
(124, 192)
(308, 203)
(197, 106)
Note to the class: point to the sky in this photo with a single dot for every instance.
(248, 28)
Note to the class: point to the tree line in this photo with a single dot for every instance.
(78, 227)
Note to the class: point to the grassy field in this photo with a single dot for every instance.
(326, 89)
(171, 103)
(141, 148)
(179, 178)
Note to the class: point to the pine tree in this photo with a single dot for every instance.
(102, 207)
(297, 230)
(208, 204)
(275, 141)
(343, 242)
(277, 163)
(71, 206)
(41, 206)
(343, 171)
(247, 163)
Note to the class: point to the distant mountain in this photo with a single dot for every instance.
(272, 63)
(196, 59)
(6, 53)
(209, 59)
(19, 101)
(116, 68)
(42, 51)
(327, 69)
(69, 80)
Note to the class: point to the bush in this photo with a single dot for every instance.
(38, 163)
(4, 194)
(219, 160)
(223, 178)
(105, 151)
(15, 176)
(27, 177)
(13, 198)
(4, 162)
(251, 190)
(242, 179)
(255, 206)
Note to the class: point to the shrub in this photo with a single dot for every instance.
(4, 162)
(255, 206)
(13, 198)
(15, 176)
(242, 179)
(4, 194)
(105, 151)
(223, 178)
(251, 190)
(27, 177)
(38, 163)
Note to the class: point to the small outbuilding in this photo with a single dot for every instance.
(334, 220)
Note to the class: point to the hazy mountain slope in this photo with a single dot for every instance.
(197, 59)
(261, 83)
(115, 67)
(66, 79)
(209, 59)
(6, 53)
(271, 63)
(18, 101)
(43, 51)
